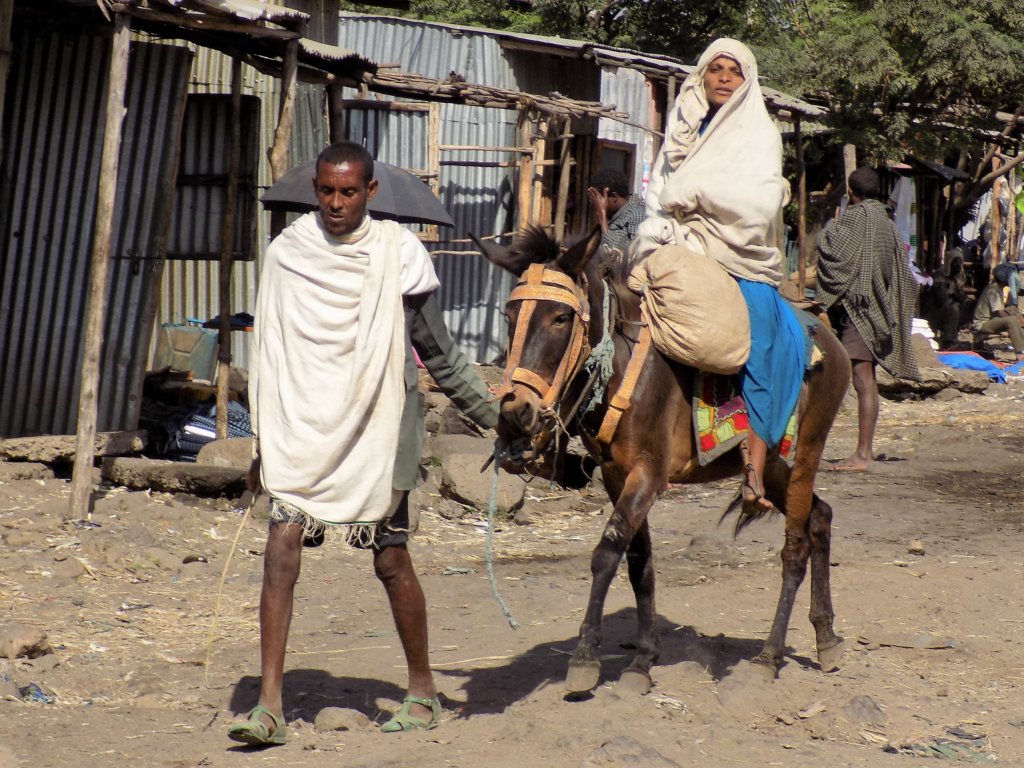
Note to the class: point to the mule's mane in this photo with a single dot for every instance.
(538, 244)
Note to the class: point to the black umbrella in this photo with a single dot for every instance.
(400, 195)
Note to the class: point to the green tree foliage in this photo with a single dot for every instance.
(924, 76)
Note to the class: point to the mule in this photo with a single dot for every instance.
(556, 316)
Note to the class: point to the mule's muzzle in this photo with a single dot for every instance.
(520, 412)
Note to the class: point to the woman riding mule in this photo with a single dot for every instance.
(717, 189)
(566, 310)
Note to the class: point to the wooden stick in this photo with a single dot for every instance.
(81, 479)
(801, 207)
(227, 241)
(565, 166)
(286, 116)
(211, 635)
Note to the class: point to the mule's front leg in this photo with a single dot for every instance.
(638, 494)
(640, 562)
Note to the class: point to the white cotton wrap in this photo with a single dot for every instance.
(719, 192)
(326, 386)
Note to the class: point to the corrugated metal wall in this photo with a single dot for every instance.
(190, 288)
(54, 130)
(629, 92)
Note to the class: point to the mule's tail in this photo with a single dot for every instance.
(745, 516)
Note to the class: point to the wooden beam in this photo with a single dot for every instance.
(565, 161)
(801, 207)
(525, 190)
(227, 241)
(286, 114)
(81, 478)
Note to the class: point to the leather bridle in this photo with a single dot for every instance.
(541, 283)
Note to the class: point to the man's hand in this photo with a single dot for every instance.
(252, 479)
(599, 206)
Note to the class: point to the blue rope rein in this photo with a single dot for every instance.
(489, 546)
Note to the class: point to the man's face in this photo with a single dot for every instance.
(615, 202)
(342, 194)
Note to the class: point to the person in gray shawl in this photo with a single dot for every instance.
(864, 280)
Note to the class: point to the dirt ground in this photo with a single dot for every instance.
(932, 667)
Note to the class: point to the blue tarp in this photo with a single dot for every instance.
(969, 361)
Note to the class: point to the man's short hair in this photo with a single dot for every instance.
(347, 152)
(864, 182)
(614, 181)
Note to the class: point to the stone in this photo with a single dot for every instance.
(522, 517)
(174, 476)
(625, 750)
(340, 719)
(234, 453)
(45, 663)
(53, 448)
(19, 640)
(453, 422)
(933, 379)
(916, 547)
(24, 470)
(443, 446)
(864, 710)
(462, 481)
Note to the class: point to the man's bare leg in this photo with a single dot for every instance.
(281, 560)
(866, 386)
(393, 566)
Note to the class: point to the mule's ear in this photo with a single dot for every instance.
(575, 260)
(503, 257)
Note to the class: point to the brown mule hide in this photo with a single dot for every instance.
(654, 445)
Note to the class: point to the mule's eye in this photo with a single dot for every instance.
(563, 319)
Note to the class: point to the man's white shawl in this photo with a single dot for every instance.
(326, 386)
(719, 192)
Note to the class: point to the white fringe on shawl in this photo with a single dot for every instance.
(326, 385)
(719, 192)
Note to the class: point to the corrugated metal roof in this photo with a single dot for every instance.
(52, 153)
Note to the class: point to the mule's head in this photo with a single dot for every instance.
(548, 317)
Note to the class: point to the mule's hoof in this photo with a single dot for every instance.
(764, 669)
(635, 681)
(583, 676)
(828, 658)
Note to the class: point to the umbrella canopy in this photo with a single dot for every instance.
(400, 195)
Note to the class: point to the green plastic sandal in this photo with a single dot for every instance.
(254, 732)
(403, 721)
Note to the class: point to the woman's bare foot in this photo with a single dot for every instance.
(754, 500)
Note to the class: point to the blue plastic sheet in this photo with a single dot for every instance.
(969, 361)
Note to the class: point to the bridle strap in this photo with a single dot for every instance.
(540, 283)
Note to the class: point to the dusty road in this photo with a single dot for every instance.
(933, 663)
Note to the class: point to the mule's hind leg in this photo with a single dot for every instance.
(829, 644)
(640, 562)
(791, 491)
(637, 496)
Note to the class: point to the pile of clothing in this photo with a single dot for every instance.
(197, 426)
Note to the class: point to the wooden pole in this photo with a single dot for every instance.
(227, 245)
(849, 162)
(997, 219)
(81, 478)
(286, 114)
(565, 168)
(336, 112)
(801, 207)
(524, 203)
(540, 142)
(278, 154)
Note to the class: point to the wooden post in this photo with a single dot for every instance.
(227, 246)
(286, 114)
(540, 147)
(801, 207)
(997, 218)
(849, 162)
(6, 14)
(564, 169)
(81, 478)
(335, 113)
(278, 153)
(524, 203)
